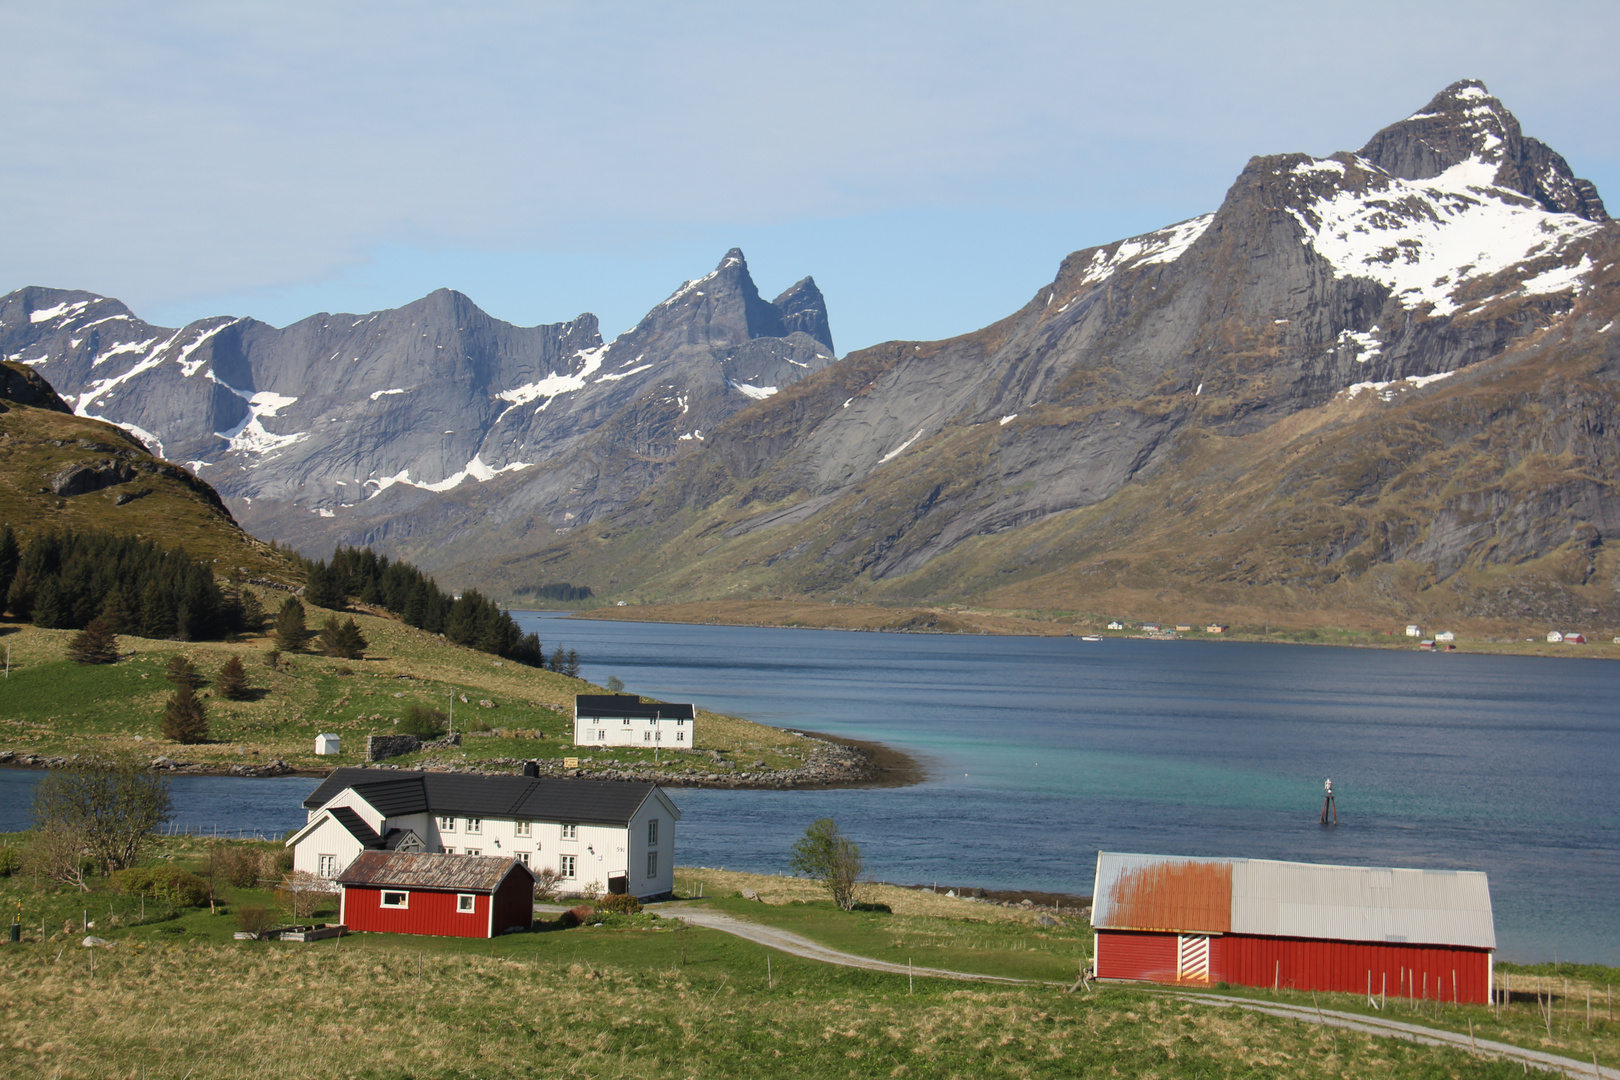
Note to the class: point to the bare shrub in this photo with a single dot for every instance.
(301, 893)
(546, 883)
(255, 919)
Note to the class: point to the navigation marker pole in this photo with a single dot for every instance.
(1329, 806)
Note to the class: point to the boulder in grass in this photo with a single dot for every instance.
(576, 915)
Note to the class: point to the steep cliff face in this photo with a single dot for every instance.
(1320, 287)
(327, 431)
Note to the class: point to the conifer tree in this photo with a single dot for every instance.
(232, 682)
(291, 633)
(322, 587)
(184, 718)
(182, 672)
(52, 609)
(10, 556)
(252, 612)
(345, 640)
(95, 644)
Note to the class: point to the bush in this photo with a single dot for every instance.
(255, 919)
(234, 865)
(620, 904)
(10, 861)
(273, 865)
(422, 721)
(181, 888)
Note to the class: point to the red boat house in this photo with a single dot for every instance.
(442, 895)
(1304, 926)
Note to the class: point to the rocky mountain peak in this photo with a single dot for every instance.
(25, 386)
(1465, 123)
(804, 309)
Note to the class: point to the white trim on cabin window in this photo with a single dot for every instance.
(523, 856)
(449, 851)
(474, 852)
(447, 824)
(397, 899)
(652, 832)
(521, 828)
(566, 866)
(466, 904)
(475, 826)
(328, 866)
(652, 864)
(570, 830)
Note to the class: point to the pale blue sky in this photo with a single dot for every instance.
(928, 163)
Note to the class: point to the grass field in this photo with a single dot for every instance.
(175, 997)
(54, 706)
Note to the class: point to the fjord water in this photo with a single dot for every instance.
(1041, 751)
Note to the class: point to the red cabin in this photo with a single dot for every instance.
(441, 895)
(1302, 926)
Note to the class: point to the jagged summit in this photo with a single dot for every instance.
(1465, 122)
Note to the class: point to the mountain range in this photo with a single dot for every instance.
(378, 428)
(1371, 386)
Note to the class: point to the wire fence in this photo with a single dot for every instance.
(176, 828)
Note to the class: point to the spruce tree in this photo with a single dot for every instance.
(322, 587)
(10, 556)
(182, 672)
(52, 609)
(291, 633)
(232, 682)
(95, 644)
(115, 611)
(252, 612)
(184, 718)
(351, 643)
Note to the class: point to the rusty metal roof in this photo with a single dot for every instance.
(420, 870)
(1291, 899)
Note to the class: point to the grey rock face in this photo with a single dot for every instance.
(1449, 240)
(327, 430)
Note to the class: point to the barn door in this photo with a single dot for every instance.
(1192, 958)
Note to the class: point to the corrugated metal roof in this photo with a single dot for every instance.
(543, 798)
(1291, 899)
(622, 705)
(420, 870)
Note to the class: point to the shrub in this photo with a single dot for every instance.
(274, 864)
(576, 915)
(301, 893)
(255, 919)
(234, 865)
(546, 882)
(181, 888)
(620, 904)
(10, 861)
(182, 672)
(423, 721)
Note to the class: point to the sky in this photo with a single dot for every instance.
(929, 164)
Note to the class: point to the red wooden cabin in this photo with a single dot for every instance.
(1300, 926)
(441, 895)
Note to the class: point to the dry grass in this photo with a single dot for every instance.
(781, 889)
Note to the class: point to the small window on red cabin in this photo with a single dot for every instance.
(467, 903)
(391, 899)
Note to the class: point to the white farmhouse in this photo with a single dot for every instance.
(611, 835)
(1414, 630)
(1554, 636)
(626, 720)
(1446, 635)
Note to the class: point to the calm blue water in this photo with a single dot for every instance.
(1044, 750)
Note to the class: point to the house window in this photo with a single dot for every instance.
(449, 851)
(520, 828)
(570, 831)
(652, 864)
(601, 734)
(565, 865)
(646, 736)
(473, 851)
(652, 833)
(447, 824)
(467, 903)
(328, 866)
(680, 736)
(396, 899)
(627, 721)
(522, 857)
(475, 825)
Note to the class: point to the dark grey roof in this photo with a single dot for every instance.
(357, 826)
(463, 873)
(618, 706)
(398, 837)
(542, 798)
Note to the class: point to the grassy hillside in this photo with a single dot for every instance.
(54, 706)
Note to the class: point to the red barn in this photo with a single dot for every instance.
(1304, 926)
(442, 895)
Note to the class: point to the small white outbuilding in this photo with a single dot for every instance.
(328, 744)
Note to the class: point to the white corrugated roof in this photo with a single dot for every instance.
(1293, 899)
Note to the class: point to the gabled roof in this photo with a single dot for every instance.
(356, 825)
(1270, 898)
(619, 706)
(421, 870)
(540, 798)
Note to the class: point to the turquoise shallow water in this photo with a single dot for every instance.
(1041, 751)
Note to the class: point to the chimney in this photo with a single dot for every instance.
(531, 768)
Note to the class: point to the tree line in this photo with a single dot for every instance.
(470, 619)
(65, 579)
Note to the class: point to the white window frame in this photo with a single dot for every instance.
(447, 824)
(522, 856)
(652, 832)
(466, 904)
(474, 852)
(567, 866)
(404, 900)
(652, 864)
(328, 865)
(680, 736)
(475, 826)
(521, 828)
(627, 721)
(646, 736)
(570, 830)
(449, 851)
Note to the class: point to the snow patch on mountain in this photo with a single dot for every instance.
(474, 469)
(1386, 391)
(556, 382)
(758, 393)
(188, 366)
(1423, 239)
(1164, 246)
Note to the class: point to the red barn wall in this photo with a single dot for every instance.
(431, 913)
(1306, 964)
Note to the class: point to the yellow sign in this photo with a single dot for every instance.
(570, 762)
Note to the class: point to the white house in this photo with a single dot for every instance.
(1414, 630)
(1554, 636)
(1445, 635)
(611, 835)
(1116, 625)
(626, 720)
